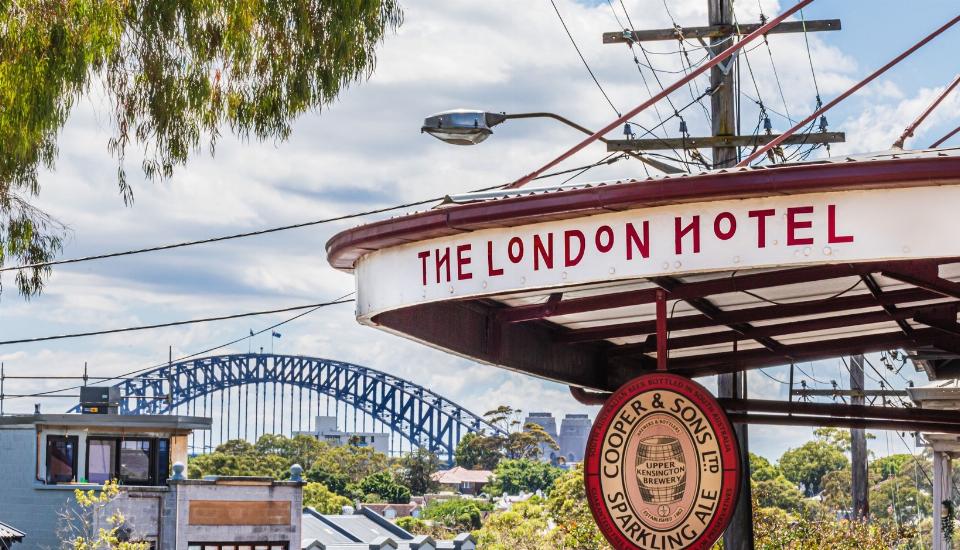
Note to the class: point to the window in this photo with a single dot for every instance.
(61, 458)
(133, 461)
(101, 458)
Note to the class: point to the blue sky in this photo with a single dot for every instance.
(365, 151)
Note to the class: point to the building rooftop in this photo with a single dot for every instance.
(458, 474)
(142, 421)
(9, 534)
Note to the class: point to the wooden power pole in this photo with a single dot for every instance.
(858, 445)
(725, 146)
(739, 534)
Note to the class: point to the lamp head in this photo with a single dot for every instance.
(461, 126)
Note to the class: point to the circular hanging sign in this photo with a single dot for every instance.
(662, 466)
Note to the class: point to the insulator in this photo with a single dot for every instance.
(823, 123)
(628, 130)
(767, 125)
(683, 126)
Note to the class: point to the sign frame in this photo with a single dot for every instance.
(729, 475)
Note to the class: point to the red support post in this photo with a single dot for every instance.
(661, 329)
(908, 131)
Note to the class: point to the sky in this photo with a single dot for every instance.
(364, 151)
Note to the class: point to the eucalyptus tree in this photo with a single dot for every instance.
(175, 74)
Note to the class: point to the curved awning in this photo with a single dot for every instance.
(763, 266)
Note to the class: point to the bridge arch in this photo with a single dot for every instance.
(415, 414)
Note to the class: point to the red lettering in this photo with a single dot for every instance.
(731, 223)
(441, 262)
(832, 236)
(515, 257)
(604, 229)
(679, 233)
(492, 271)
(633, 239)
(793, 224)
(463, 261)
(569, 261)
(761, 216)
(423, 264)
(544, 252)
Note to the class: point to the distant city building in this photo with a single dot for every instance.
(572, 439)
(327, 430)
(546, 421)
(463, 481)
(365, 529)
(45, 457)
(574, 432)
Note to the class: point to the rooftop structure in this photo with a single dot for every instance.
(9, 535)
(462, 480)
(365, 529)
(45, 457)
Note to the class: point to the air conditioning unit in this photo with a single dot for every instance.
(99, 400)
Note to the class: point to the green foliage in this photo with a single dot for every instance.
(837, 490)
(325, 501)
(898, 499)
(889, 466)
(458, 514)
(381, 487)
(416, 470)
(91, 526)
(513, 476)
(175, 75)
(333, 481)
(523, 527)
(806, 465)
(774, 529)
(761, 469)
(838, 437)
(478, 452)
(568, 509)
(780, 493)
(272, 455)
(482, 451)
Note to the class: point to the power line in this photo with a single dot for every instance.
(583, 59)
(205, 351)
(184, 244)
(172, 323)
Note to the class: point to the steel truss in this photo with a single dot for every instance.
(416, 414)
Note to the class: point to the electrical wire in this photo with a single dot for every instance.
(210, 240)
(205, 351)
(778, 303)
(170, 324)
(583, 59)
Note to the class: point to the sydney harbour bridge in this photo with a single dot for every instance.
(248, 395)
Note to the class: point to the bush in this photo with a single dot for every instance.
(459, 514)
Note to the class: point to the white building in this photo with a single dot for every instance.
(327, 430)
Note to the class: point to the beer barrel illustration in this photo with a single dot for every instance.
(661, 470)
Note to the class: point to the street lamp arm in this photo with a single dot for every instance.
(497, 118)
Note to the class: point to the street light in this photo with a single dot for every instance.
(472, 126)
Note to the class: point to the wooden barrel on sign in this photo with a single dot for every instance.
(661, 470)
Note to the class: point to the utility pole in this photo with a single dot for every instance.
(858, 445)
(723, 118)
(724, 144)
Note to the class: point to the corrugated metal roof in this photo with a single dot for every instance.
(9, 533)
(463, 198)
